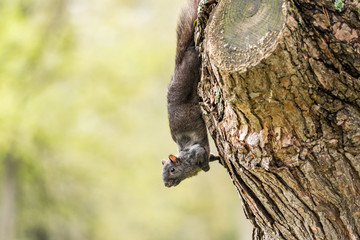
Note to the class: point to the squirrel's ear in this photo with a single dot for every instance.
(162, 162)
(173, 158)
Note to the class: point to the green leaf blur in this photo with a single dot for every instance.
(84, 127)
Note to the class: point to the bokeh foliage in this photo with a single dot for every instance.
(84, 126)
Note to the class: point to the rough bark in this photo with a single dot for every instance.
(280, 92)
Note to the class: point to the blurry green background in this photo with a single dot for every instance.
(84, 127)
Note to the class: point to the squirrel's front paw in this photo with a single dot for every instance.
(205, 166)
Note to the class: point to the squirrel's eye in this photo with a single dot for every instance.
(172, 170)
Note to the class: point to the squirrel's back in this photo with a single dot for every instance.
(185, 29)
(183, 109)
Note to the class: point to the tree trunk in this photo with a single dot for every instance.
(280, 91)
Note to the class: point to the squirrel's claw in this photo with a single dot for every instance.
(214, 157)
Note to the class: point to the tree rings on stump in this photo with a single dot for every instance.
(241, 33)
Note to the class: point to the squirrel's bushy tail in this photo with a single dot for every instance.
(185, 29)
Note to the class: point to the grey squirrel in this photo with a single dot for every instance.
(187, 126)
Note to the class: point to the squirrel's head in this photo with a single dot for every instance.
(176, 169)
(172, 171)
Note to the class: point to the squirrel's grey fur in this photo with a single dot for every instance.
(187, 126)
